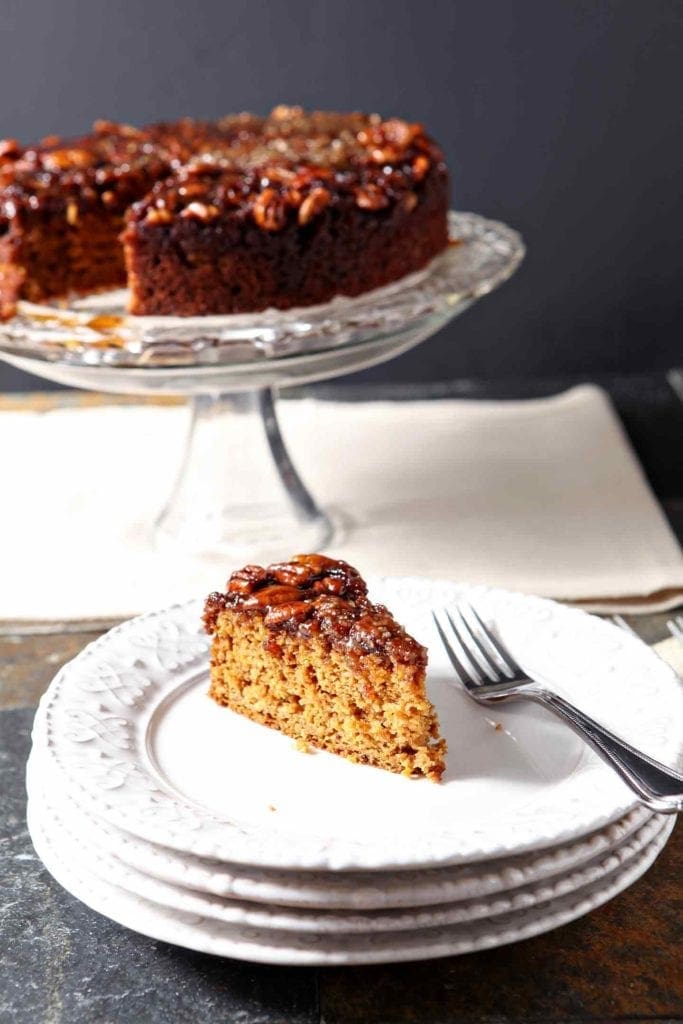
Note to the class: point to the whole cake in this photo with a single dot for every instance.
(237, 215)
(298, 646)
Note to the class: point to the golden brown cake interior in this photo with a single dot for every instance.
(299, 647)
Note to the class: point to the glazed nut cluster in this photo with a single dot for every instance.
(315, 594)
(304, 577)
(285, 168)
(291, 166)
(288, 592)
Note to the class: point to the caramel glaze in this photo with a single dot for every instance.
(292, 165)
(312, 595)
(288, 164)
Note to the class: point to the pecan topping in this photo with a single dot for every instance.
(284, 113)
(314, 203)
(420, 167)
(313, 594)
(157, 216)
(277, 176)
(269, 210)
(401, 133)
(193, 188)
(201, 211)
(61, 159)
(9, 149)
(286, 168)
(384, 156)
(104, 127)
(293, 197)
(294, 611)
(371, 197)
(269, 596)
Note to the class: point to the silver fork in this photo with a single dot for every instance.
(675, 627)
(490, 673)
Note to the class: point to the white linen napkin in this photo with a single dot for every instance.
(544, 496)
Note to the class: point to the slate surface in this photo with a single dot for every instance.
(60, 963)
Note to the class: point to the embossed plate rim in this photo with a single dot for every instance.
(134, 800)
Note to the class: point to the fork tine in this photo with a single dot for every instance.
(511, 666)
(675, 627)
(473, 647)
(621, 622)
(463, 675)
(477, 673)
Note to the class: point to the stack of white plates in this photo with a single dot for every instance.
(188, 823)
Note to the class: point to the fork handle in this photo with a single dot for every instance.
(658, 787)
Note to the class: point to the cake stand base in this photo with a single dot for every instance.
(237, 493)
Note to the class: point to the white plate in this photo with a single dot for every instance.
(197, 932)
(331, 890)
(69, 844)
(129, 728)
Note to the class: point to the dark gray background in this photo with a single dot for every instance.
(562, 117)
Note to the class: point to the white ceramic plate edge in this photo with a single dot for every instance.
(244, 914)
(251, 944)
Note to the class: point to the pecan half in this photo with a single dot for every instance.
(192, 188)
(283, 113)
(243, 581)
(292, 574)
(401, 133)
(420, 167)
(280, 175)
(314, 203)
(272, 595)
(200, 211)
(157, 216)
(269, 210)
(9, 149)
(371, 197)
(294, 611)
(62, 159)
(386, 155)
(293, 197)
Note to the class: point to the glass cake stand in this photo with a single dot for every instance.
(232, 366)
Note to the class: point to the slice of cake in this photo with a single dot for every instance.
(298, 646)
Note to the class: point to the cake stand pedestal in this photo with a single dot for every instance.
(231, 368)
(202, 514)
